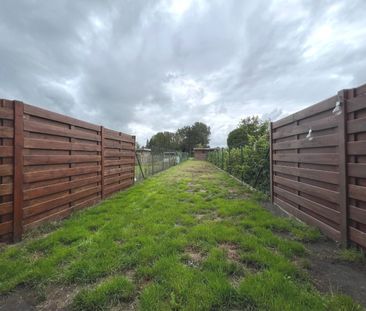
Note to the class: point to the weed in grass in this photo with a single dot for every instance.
(352, 255)
(341, 303)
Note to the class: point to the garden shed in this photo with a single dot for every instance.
(201, 153)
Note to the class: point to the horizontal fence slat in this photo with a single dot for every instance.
(319, 158)
(326, 229)
(47, 205)
(356, 126)
(86, 203)
(6, 189)
(112, 180)
(357, 214)
(38, 127)
(118, 162)
(118, 170)
(361, 89)
(59, 187)
(357, 170)
(59, 159)
(111, 189)
(6, 227)
(6, 113)
(123, 137)
(117, 153)
(29, 224)
(307, 112)
(317, 125)
(356, 104)
(6, 208)
(6, 151)
(326, 194)
(357, 192)
(357, 236)
(356, 148)
(317, 208)
(49, 115)
(61, 214)
(113, 144)
(6, 170)
(58, 145)
(57, 173)
(325, 176)
(321, 141)
(6, 132)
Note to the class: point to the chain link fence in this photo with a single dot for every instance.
(148, 164)
(250, 164)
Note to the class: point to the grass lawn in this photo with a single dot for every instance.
(190, 238)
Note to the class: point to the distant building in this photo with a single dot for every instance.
(144, 154)
(201, 153)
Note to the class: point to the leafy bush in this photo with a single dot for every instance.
(249, 163)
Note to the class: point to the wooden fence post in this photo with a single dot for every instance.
(343, 183)
(18, 171)
(271, 161)
(102, 161)
(134, 158)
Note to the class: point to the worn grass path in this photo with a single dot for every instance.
(190, 238)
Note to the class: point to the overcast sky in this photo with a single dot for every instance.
(147, 66)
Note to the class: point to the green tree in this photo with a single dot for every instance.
(193, 136)
(247, 157)
(237, 138)
(162, 141)
(248, 127)
(184, 139)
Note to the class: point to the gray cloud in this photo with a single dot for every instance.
(146, 66)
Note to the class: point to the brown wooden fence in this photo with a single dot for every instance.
(52, 165)
(321, 178)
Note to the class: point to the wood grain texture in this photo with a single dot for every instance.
(342, 149)
(60, 164)
(18, 171)
(322, 180)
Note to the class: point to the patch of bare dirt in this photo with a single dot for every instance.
(28, 299)
(200, 216)
(199, 171)
(329, 273)
(126, 306)
(210, 216)
(231, 250)
(235, 194)
(58, 298)
(130, 274)
(23, 299)
(195, 256)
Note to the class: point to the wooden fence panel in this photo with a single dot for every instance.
(62, 171)
(321, 177)
(306, 171)
(356, 164)
(6, 169)
(52, 165)
(119, 161)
